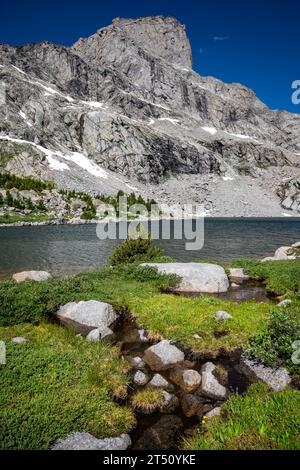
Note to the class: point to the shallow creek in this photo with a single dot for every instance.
(163, 430)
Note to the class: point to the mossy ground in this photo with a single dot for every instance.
(57, 383)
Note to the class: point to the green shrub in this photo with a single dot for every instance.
(274, 346)
(22, 183)
(133, 250)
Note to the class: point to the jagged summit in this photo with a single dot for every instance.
(163, 37)
(123, 109)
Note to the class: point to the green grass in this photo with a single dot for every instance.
(148, 400)
(260, 420)
(58, 383)
(137, 290)
(282, 277)
(12, 219)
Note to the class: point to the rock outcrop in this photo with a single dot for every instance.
(85, 441)
(37, 276)
(124, 109)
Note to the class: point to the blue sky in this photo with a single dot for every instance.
(254, 42)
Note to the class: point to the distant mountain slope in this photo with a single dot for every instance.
(123, 109)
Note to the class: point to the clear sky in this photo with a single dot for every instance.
(254, 42)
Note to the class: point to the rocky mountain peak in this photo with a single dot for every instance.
(161, 37)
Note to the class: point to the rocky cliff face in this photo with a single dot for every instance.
(123, 109)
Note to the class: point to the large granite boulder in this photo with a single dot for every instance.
(276, 379)
(85, 441)
(163, 356)
(37, 276)
(196, 277)
(210, 385)
(83, 317)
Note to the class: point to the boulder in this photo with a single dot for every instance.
(276, 379)
(163, 356)
(19, 340)
(37, 276)
(101, 334)
(83, 317)
(238, 276)
(296, 245)
(135, 336)
(210, 386)
(85, 441)
(140, 378)
(284, 303)
(222, 316)
(158, 381)
(171, 402)
(196, 277)
(187, 379)
(191, 405)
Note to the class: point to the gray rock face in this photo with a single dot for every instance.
(37, 276)
(163, 356)
(210, 386)
(83, 317)
(127, 101)
(276, 379)
(85, 441)
(196, 277)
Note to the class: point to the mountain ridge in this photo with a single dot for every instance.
(126, 100)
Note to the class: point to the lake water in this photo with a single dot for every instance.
(68, 249)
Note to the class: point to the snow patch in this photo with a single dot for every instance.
(287, 215)
(173, 121)
(55, 164)
(228, 178)
(241, 136)
(86, 164)
(210, 130)
(23, 116)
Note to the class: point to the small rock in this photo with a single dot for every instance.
(171, 402)
(85, 441)
(140, 378)
(210, 386)
(234, 285)
(100, 334)
(158, 381)
(222, 316)
(187, 379)
(191, 405)
(276, 379)
(19, 340)
(284, 303)
(196, 336)
(135, 336)
(238, 276)
(138, 363)
(296, 245)
(161, 435)
(37, 276)
(215, 412)
(163, 356)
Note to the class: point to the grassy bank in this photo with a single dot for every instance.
(260, 420)
(57, 383)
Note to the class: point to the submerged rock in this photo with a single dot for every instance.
(187, 379)
(160, 436)
(37, 276)
(163, 356)
(83, 317)
(171, 402)
(196, 277)
(191, 405)
(85, 441)
(210, 386)
(276, 379)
